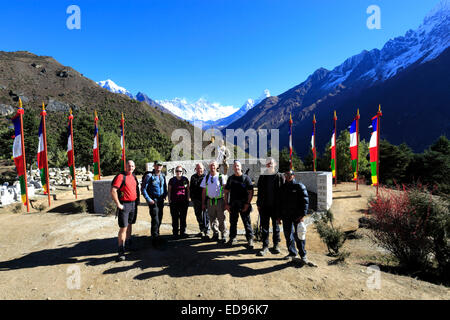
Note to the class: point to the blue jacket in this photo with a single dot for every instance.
(154, 187)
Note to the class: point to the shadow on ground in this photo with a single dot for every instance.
(177, 258)
(75, 207)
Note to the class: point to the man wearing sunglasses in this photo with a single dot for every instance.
(268, 203)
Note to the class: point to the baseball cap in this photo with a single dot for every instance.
(158, 162)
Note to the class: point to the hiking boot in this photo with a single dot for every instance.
(121, 255)
(304, 261)
(200, 234)
(232, 242)
(184, 235)
(129, 245)
(263, 252)
(251, 244)
(290, 257)
(215, 237)
(276, 248)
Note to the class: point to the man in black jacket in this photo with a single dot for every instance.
(196, 197)
(294, 207)
(268, 203)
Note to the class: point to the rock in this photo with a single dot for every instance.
(62, 73)
(6, 110)
(54, 105)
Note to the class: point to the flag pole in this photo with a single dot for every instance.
(98, 145)
(74, 181)
(378, 145)
(21, 112)
(335, 148)
(44, 133)
(314, 149)
(357, 149)
(290, 141)
(122, 121)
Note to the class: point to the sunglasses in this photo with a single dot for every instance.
(178, 171)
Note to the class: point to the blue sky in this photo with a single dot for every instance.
(223, 50)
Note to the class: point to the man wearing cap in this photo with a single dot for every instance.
(154, 190)
(212, 199)
(268, 203)
(294, 207)
(125, 194)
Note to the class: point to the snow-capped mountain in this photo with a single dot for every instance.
(416, 46)
(201, 109)
(408, 76)
(250, 103)
(113, 87)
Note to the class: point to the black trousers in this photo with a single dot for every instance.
(202, 216)
(266, 214)
(236, 210)
(178, 211)
(156, 214)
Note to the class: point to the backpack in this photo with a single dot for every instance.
(150, 173)
(206, 182)
(119, 192)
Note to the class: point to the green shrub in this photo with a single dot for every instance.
(110, 209)
(334, 238)
(18, 208)
(80, 207)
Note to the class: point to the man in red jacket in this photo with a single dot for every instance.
(128, 186)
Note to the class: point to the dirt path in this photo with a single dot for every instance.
(41, 252)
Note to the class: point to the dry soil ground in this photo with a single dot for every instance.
(40, 253)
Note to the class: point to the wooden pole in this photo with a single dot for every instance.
(357, 149)
(335, 149)
(74, 181)
(44, 133)
(314, 145)
(122, 121)
(21, 112)
(98, 145)
(378, 145)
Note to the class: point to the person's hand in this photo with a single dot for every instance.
(278, 221)
(120, 206)
(151, 202)
(259, 209)
(299, 219)
(203, 207)
(227, 207)
(245, 209)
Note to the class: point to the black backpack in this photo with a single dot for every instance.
(119, 192)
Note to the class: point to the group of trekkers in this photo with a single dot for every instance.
(280, 198)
